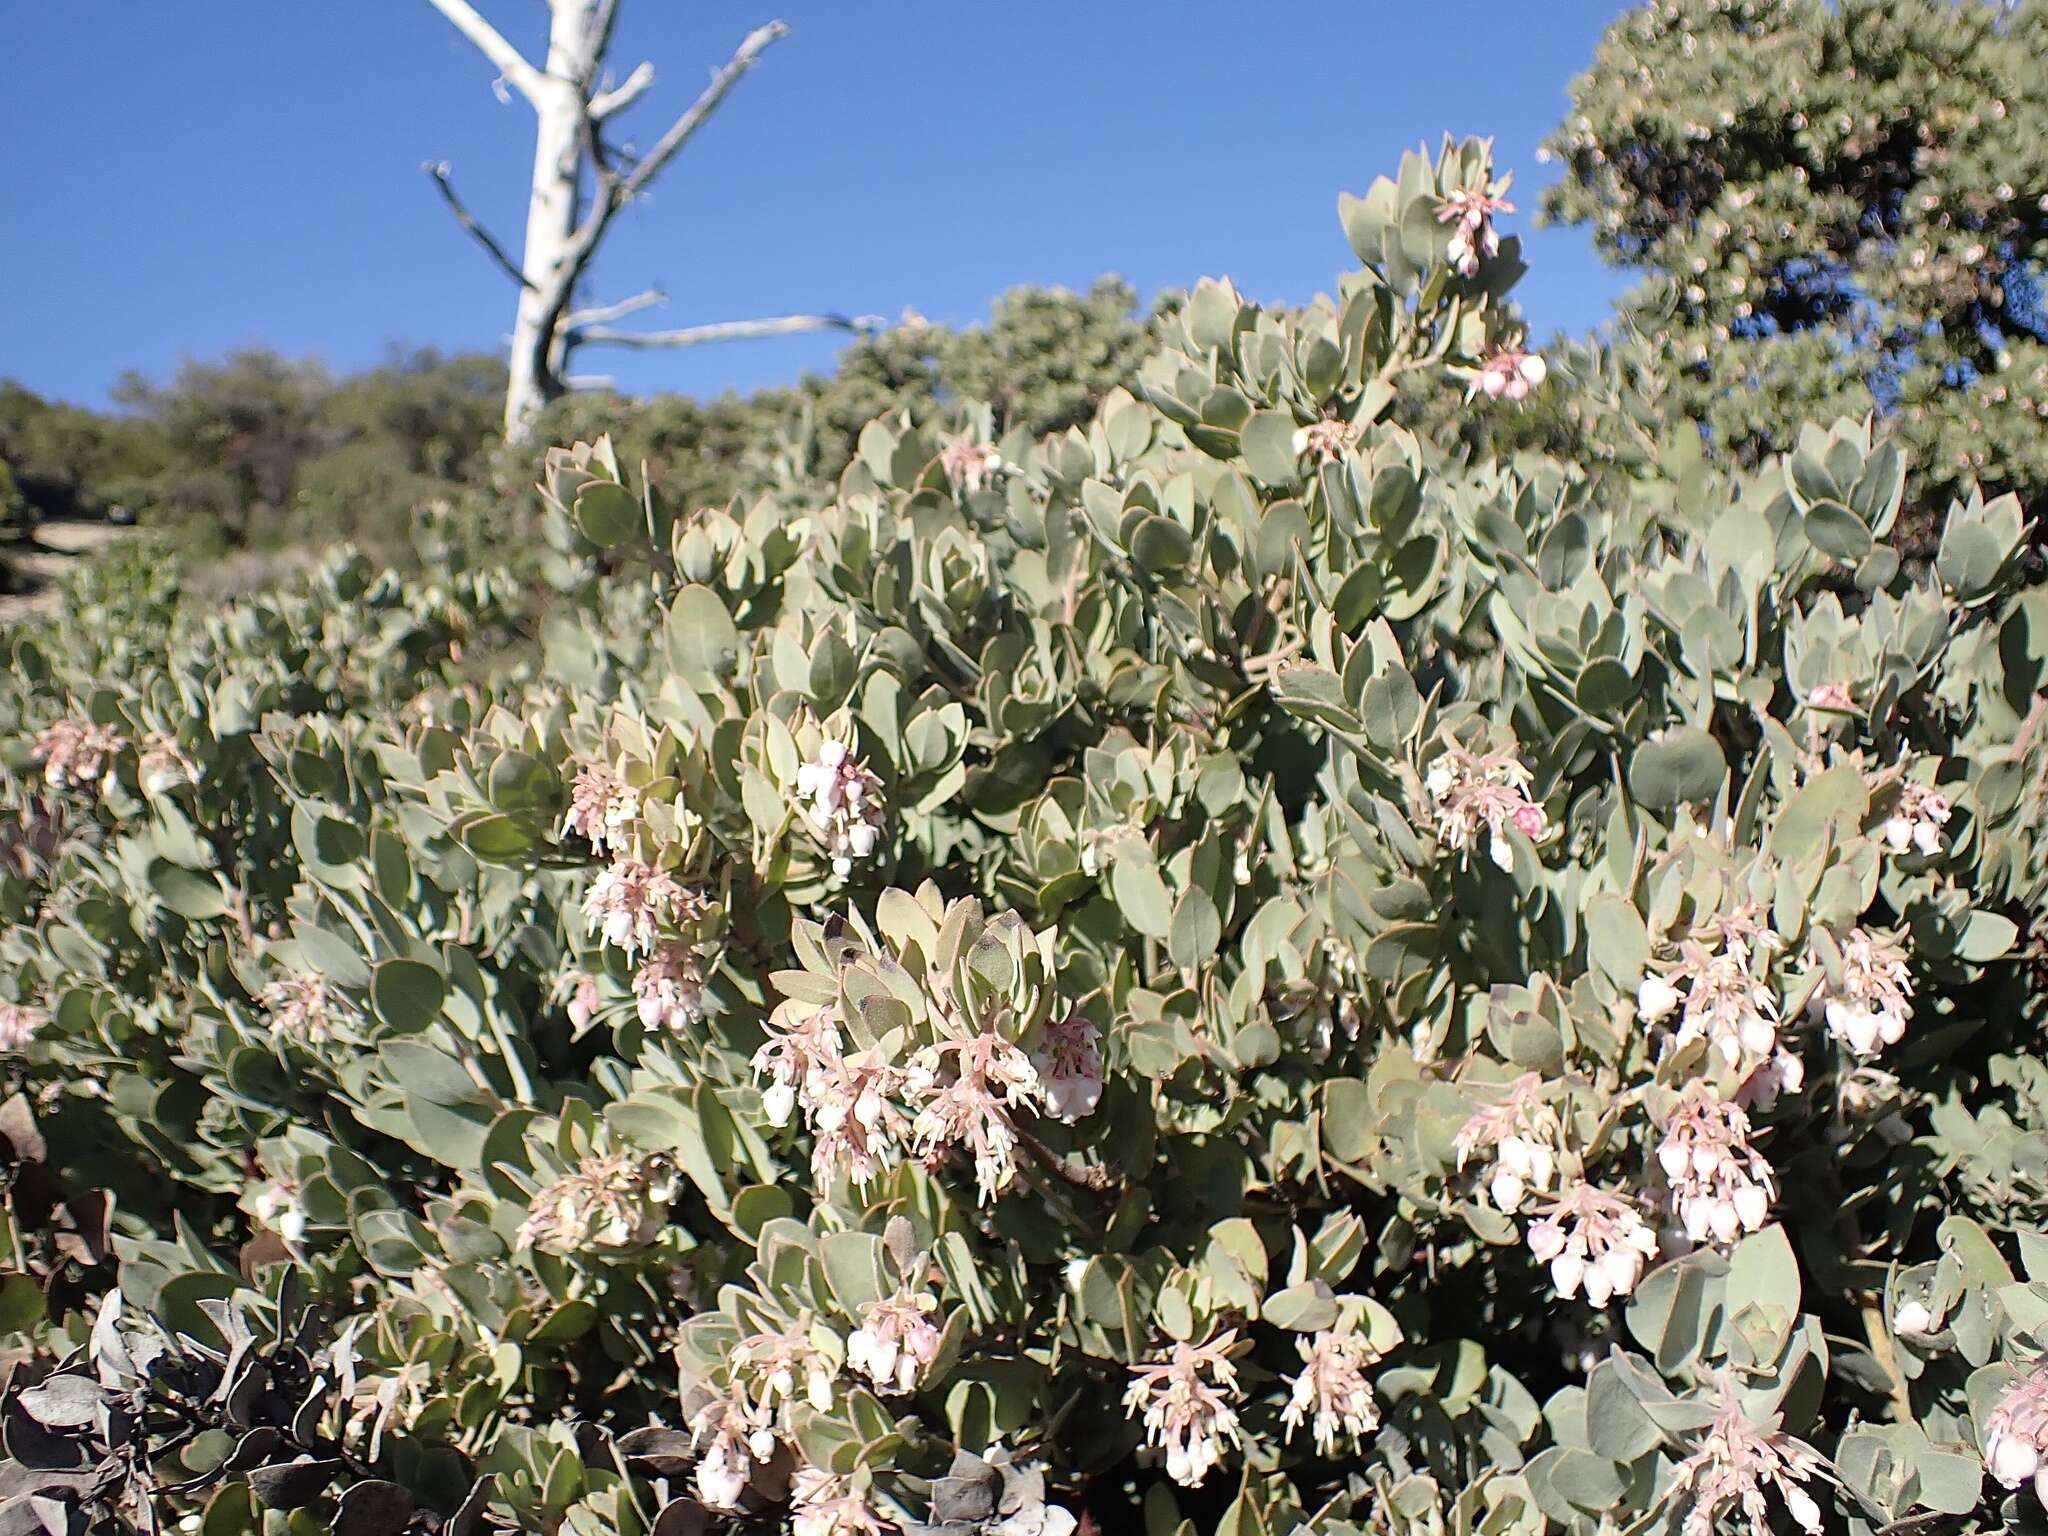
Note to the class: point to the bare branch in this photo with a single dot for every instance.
(585, 383)
(596, 41)
(684, 127)
(511, 63)
(730, 330)
(621, 96)
(438, 169)
(651, 299)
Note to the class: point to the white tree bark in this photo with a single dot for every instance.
(579, 184)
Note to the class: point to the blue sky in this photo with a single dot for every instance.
(182, 177)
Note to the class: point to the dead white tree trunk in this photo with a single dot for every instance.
(580, 183)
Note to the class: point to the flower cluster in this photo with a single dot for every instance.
(1509, 372)
(844, 801)
(1186, 1405)
(278, 1207)
(580, 995)
(630, 900)
(1327, 440)
(1917, 819)
(1735, 1463)
(163, 765)
(1869, 1007)
(1332, 1393)
(1069, 1063)
(896, 1342)
(602, 807)
(300, 1007)
(1471, 791)
(669, 988)
(736, 1440)
(971, 1104)
(1593, 1239)
(2016, 1434)
(18, 1025)
(78, 753)
(1719, 980)
(611, 1201)
(970, 465)
(822, 1504)
(1473, 235)
(1720, 1186)
(1523, 1134)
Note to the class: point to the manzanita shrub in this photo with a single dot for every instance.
(1229, 971)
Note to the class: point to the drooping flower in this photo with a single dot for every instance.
(277, 1206)
(1186, 1402)
(1870, 1007)
(1471, 792)
(1471, 216)
(1593, 1239)
(163, 765)
(578, 991)
(18, 1025)
(669, 987)
(822, 1504)
(896, 1342)
(796, 1059)
(1734, 1465)
(1720, 1186)
(78, 754)
(1069, 1063)
(1332, 1393)
(602, 807)
(300, 1006)
(1720, 991)
(2016, 1434)
(1523, 1133)
(1916, 821)
(857, 1126)
(989, 1077)
(1326, 440)
(1508, 373)
(736, 1440)
(844, 803)
(970, 465)
(774, 1364)
(629, 901)
(611, 1201)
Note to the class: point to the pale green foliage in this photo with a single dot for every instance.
(1226, 925)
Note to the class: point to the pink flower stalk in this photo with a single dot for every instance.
(896, 1341)
(1720, 1186)
(1835, 696)
(602, 807)
(1916, 821)
(824, 1505)
(1592, 1239)
(1473, 235)
(629, 901)
(1508, 373)
(1471, 792)
(2016, 1434)
(1186, 1404)
(612, 1200)
(18, 1025)
(1726, 1000)
(1523, 1134)
(1875, 999)
(741, 1442)
(670, 988)
(1735, 1464)
(844, 804)
(300, 1006)
(857, 1127)
(773, 1364)
(1328, 441)
(991, 1077)
(1069, 1063)
(78, 754)
(798, 1060)
(970, 465)
(579, 991)
(1332, 1391)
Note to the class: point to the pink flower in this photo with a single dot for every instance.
(580, 992)
(78, 754)
(1719, 980)
(1509, 373)
(822, 1504)
(1916, 821)
(1069, 1062)
(1332, 1389)
(1473, 235)
(1472, 793)
(1592, 1239)
(602, 807)
(300, 1006)
(773, 1363)
(670, 988)
(629, 901)
(1720, 1187)
(609, 1201)
(843, 803)
(1327, 441)
(1835, 696)
(991, 1077)
(857, 1127)
(2016, 1433)
(1523, 1133)
(896, 1342)
(970, 465)
(798, 1060)
(1734, 1465)
(1187, 1408)
(1870, 1008)
(741, 1440)
(18, 1025)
